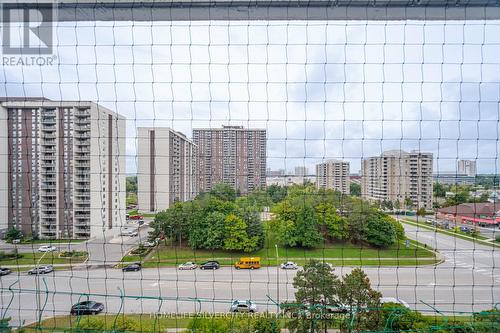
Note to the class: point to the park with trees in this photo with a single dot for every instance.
(296, 223)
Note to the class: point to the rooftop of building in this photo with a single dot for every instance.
(472, 209)
(40, 102)
(229, 127)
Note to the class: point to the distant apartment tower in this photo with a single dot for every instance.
(63, 168)
(333, 174)
(301, 171)
(467, 167)
(275, 173)
(397, 175)
(232, 155)
(166, 168)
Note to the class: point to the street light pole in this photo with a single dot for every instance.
(37, 284)
(277, 278)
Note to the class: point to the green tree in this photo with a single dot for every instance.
(336, 226)
(131, 184)
(295, 224)
(214, 231)
(439, 190)
(379, 231)
(356, 293)
(408, 203)
(421, 211)
(251, 216)
(355, 189)
(359, 212)
(457, 199)
(224, 192)
(13, 233)
(308, 234)
(317, 288)
(397, 205)
(175, 222)
(236, 236)
(398, 228)
(277, 193)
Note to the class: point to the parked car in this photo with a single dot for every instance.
(243, 306)
(41, 270)
(289, 265)
(150, 243)
(188, 265)
(341, 308)
(47, 248)
(465, 229)
(212, 264)
(136, 217)
(132, 267)
(86, 308)
(129, 232)
(4, 271)
(16, 241)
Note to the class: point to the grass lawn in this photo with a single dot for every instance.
(339, 254)
(131, 198)
(136, 212)
(49, 259)
(142, 323)
(148, 323)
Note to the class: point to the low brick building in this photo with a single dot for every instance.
(484, 213)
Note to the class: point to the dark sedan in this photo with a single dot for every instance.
(4, 271)
(132, 268)
(210, 265)
(87, 308)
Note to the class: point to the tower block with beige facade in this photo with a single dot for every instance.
(62, 168)
(400, 176)
(166, 168)
(333, 174)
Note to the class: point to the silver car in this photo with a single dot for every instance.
(243, 306)
(41, 270)
(289, 265)
(188, 265)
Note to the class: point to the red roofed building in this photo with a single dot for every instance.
(483, 213)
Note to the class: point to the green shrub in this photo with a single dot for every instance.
(90, 324)
(140, 250)
(238, 323)
(10, 255)
(72, 254)
(124, 324)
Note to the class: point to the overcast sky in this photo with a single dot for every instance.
(322, 89)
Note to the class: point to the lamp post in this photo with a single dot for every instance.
(277, 278)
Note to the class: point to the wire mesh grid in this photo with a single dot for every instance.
(250, 176)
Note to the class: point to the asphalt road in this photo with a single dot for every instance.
(106, 250)
(469, 280)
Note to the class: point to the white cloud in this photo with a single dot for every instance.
(322, 89)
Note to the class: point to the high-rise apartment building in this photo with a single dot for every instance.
(467, 167)
(166, 168)
(301, 171)
(62, 167)
(232, 155)
(333, 174)
(397, 175)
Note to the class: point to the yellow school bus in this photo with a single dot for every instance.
(247, 263)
